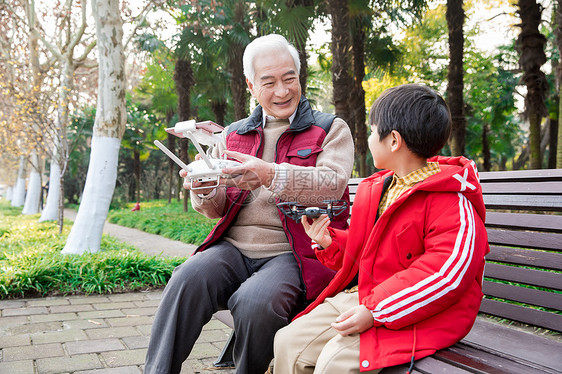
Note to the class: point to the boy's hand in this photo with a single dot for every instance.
(318, 231)
(354, 321)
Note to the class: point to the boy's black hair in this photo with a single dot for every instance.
(418, 113)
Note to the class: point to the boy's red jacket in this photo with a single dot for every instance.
(420, 263)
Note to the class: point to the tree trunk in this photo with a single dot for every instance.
(18, 198)
(531, 44)
(51, 211)
(184, 146)
(171, 166)
(486, 148)
(219, 110)
(236, 68)
(183, 76)
(109, 126)
(341, 58)
(553, 143)
(34, 187)
(10, 193)
(558, 33)
(455, 87)
(136, 169)
(55, 205)
(300, 45)
(357, 98)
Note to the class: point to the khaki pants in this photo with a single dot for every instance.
(310, 345)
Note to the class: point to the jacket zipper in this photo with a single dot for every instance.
(212, 238)
(290, 235)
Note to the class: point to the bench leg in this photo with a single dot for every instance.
(225, 358)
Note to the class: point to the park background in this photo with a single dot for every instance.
(87, 86)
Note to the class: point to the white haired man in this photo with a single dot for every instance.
(255, 261)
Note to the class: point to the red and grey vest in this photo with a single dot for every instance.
(299, 145)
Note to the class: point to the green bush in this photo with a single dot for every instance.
(167, 219)
(31, 263)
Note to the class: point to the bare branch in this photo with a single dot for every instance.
(140, 18)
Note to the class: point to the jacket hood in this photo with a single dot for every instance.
(458, 174)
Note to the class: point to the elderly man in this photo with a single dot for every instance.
(255, 261)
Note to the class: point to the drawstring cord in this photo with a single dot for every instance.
(411, 368)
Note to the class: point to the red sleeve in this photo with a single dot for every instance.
(332, 256)
(455, 243)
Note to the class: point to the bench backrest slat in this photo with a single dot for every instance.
(524, 221)
(518, 176)
(526, 239)
(523, 275)
(516, 256)
(523, 314)
(524, 295)
(522, 188)
(551, 203)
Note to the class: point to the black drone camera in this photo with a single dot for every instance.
(295, 211)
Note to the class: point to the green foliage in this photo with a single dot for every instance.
(168, 220)
(31, 263)
(490, 83)
(490, 94)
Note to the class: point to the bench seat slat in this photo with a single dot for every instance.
(523, 295)
(427, 365)
(524, 202)
(518, 256)
(522, 346)
(526, 276)
(524, 221)
(525, 239)
(514, 312)
(478, 361)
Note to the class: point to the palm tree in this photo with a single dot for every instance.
(360, 25)
(341, 58)
(531, 44)
(238, 38)
(183, 76)
(558, 32)
(455, 87)
(293, 19)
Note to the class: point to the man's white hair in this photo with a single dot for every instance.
(267, 44)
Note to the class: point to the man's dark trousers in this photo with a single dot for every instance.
(261, 294)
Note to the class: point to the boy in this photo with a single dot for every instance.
(410, 266)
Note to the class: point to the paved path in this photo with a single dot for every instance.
(96, 334)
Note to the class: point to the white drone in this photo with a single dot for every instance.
(208, 168)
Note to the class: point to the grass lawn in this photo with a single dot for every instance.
(167, 219)
(31, 264)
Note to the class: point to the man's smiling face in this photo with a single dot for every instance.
(276, 84)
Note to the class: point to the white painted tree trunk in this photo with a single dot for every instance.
(85, 235)
(32, 203)
(51, 211)
(19, 190)
(10, 193)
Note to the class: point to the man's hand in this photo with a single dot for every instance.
(318, 231)
(354, 321)
(253, 172)
(188, 186)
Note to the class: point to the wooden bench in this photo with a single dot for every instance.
(519, 329)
